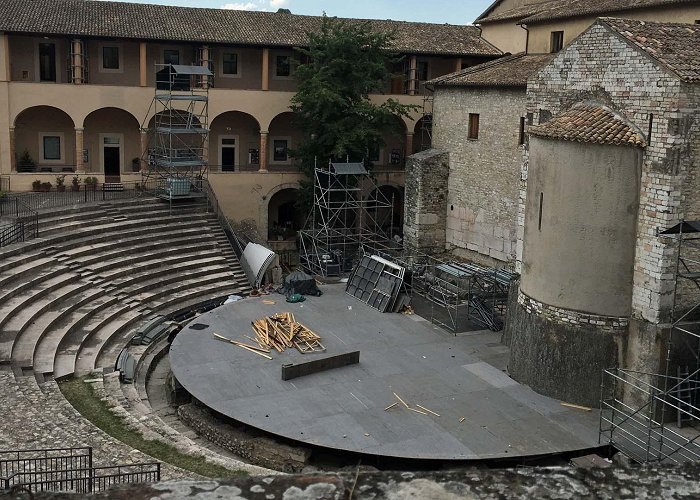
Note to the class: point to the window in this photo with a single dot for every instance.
(171, 56)
(280, 150)
(556, 41)
(111, 58)
(47, 62)
(422, 71)
(51, 147)
(539, 221)
(521, 139)
(374, 154)
(229, 64)
(473, 132)
(283, 66)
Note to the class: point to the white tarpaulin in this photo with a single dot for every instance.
(256, 260)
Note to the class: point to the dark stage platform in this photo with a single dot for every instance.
(343, 408)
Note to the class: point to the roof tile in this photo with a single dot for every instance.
(590, 123)
(234, 27)
(509, 71)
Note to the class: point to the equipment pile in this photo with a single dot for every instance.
(280, 332)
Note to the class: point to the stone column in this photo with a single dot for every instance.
(143, 63)
(458, 64)
(425, 217)
(79, 146)
(409, 145)
(144, 149)
(412, 74)
(263, 151)
(266, 69)
(205, 64)
(77, 62)
(4, 58)
(13, 151)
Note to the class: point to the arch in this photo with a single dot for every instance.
(234, 142)
(111, 131)
(47, 134)
(264, 204)
(394, 151)
(422, 134)
(283, 136)
(284, 218)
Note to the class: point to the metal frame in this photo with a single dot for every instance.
(342, 226)
(178, 158)
(68, 469)
(18, 221)
(655, 417)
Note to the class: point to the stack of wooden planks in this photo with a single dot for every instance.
(280, 332)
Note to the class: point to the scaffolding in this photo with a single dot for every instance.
(78, 67)
(459, 295)
(655, 417)
(343, 225)
(426, 121)
(178, 134)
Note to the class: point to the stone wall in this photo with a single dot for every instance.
(599, 66)
(258, 450)
(484, 173)
(426, 198)
(561, 483)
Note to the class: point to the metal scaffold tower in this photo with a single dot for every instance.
(426, 127)
(342, 224)
(178, 134)
(655, 417)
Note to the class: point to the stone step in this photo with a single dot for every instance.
(33, 290)
(31, 321)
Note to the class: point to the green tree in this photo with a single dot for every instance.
(344, 63)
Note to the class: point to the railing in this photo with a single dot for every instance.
(632, 420)
(84, 194)
(55, 459)
(18, 222)
(84, 480)
(237, 243)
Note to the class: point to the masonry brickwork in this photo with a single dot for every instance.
(426, 197)
(484, 173)
(601, 67)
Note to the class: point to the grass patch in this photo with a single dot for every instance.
(83, 398)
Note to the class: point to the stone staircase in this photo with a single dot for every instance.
(70, 300)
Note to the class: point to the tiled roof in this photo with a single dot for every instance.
(590, 123)
(515, 14)
(675, 46)
(560, 9)
(235, 27)
(509, 71)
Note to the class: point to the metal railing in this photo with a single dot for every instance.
(632, 420)
(20, 461)
(68, 469)
(18, 222)
(237, 243)
(83, 194)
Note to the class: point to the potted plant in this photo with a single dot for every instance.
(26, 163)
(90, 183)
(75, 183)
(60, 183)
(45, 187)
(36, 185)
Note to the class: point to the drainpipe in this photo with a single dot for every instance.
(527, 37)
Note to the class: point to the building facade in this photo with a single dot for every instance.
(612, 161)
(77, 82)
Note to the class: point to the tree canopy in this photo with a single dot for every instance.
(344, 63)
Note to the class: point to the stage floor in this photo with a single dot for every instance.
(343, 408)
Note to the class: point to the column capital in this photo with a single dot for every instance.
(79, 129)
(264, 132)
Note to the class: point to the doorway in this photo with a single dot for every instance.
(228, 153)
(111, 156)
(47, 62)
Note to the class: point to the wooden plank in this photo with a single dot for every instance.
(390, 406)
(399, 398)
(426, 409)
(576, 407)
